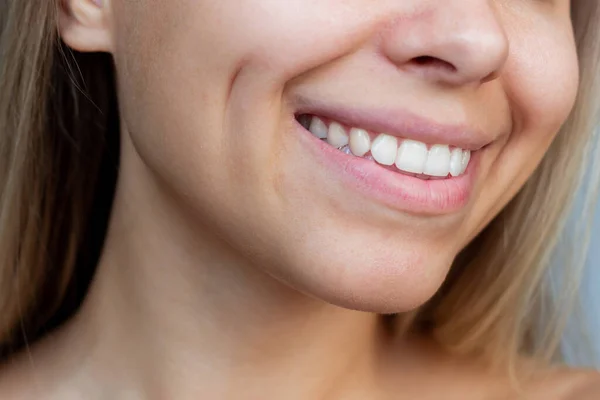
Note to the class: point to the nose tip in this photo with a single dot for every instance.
(451, 44)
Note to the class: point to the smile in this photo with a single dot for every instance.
(417, 166)
(411, 157)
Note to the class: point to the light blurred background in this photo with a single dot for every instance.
(591, 285)
(582, 341)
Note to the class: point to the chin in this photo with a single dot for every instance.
(372, 278)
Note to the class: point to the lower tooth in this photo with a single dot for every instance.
(346, 150)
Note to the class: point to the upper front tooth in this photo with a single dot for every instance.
(318, 128)
(456, 162)
(360, 143)
(337, 136)
(412, 156)
(384, 149)
(465, 160)
(438, 161)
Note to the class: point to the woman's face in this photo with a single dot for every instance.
(225, 101)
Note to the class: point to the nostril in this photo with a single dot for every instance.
(422, 60)
(428, 61)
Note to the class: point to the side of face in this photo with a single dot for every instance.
(211, 93)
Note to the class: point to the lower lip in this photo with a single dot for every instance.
(394, 189)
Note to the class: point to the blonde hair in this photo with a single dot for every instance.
(58, 162)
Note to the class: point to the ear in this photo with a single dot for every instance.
(84, 25)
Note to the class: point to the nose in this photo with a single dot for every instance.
(455, 42)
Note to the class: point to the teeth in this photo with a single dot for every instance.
(346, 150)
(456, 158)
(412, 156)
(465, 160)
(384, 149)
(438, 161)
(360, 143)
(318, 128)
(337, 136)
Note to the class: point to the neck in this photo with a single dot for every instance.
(178, 312)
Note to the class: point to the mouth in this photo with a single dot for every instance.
(398, 170)
(406, 156)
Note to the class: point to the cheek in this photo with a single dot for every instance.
(541, 82)
(177, 60)
(197, 78)
(215, 39)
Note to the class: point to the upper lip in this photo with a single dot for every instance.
(401, 123)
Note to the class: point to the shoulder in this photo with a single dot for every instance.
(42, 372)
(567, 384)
(583, 385)
(468, 378)
(25, 379)
(13, 380)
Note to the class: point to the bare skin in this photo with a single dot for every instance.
(147, 334)
(63, 368)
(237, 265)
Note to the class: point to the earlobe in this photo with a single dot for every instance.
(84, 25)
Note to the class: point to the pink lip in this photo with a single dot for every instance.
(401, 123)
(396, 190)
